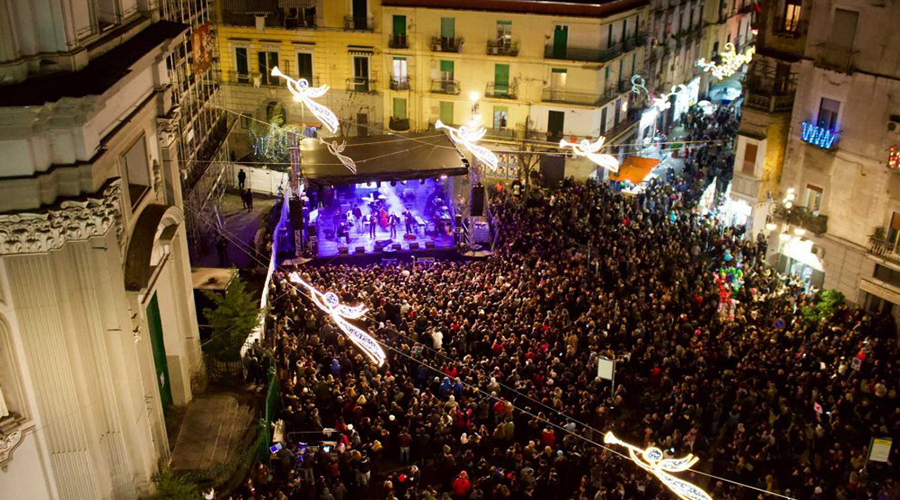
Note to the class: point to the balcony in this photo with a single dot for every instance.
(594, 55)
(398, 41)
(359, 23)
(450, 87)
(746, 185)
(550, 94)
(789, 28)
(835, 58)
(503, 133)
(399, 124)
(885, 250)
(255, 79)
(801, 216)
(441, 44)
(501, 91)
(503, 47)
(763, 101)
(398, 83)
(364, 85)
(818, 136)
(303, 20)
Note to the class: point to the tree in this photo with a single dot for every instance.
(231, 321)
(529, 157)
(172, 487)
(829, 302)
(271, 142)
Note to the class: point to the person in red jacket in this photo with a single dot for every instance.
(461, 485)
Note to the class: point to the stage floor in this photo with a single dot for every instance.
(414, 197)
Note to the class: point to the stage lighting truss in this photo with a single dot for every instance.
(302, 92)
(651, 460)
(591, 152)
(340, 313)
(468, 137)
(731, 61)
(336, 149)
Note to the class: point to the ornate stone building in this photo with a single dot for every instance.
(98, 330)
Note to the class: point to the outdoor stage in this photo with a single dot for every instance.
(411, 187)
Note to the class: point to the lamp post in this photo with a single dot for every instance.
(783, 219)
(474, 96)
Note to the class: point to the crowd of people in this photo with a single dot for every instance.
(491, 391)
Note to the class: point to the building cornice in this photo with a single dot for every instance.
(28, 233)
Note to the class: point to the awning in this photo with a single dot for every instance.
(634, 169)
(422, 155)
(801, 251)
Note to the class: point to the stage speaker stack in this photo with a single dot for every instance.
(478, 201)
(342, 250)
(429, 244)
(397, 246)
(414, 245)
(296, 213)
(360, 249)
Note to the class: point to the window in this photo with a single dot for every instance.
(267, 61)
(399, 25)
(887, 275)
(361, 73)
(501, 79)
(813, 198)
(894, 229)
(749, 166)
(137, 170)
(624, 30)
(400, 74)
(242, 69)
(504, 30)
(501, 114)
(304, 66)
(448, 28)
(828, 114)
(603, 114)
(446, 71)
(399, 108)
(609, 37)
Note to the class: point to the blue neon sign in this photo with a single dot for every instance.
(818, 136)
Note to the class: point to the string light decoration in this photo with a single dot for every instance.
(662, 102)
(894, 157)
(652, 461)
(731, 61)
(302, 92)
(467, 136)
(590, 151)
(336, 149)
(340, 313)
(817, 136)
(638, 85)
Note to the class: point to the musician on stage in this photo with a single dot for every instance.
(393, 220)
(373, 222)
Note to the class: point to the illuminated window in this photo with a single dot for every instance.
(813, 198)
(828, 114)
(792, 15)
(749, 166)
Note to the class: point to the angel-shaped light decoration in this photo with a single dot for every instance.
(590, 151)
(731, 61)
(340, 313)
(468, 136)
(652, 461)
(662, 102)
(336, 149)
(304, 93)
(638, 85)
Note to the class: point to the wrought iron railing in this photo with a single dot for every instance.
(549, 94)
(444, 44)
(445, 87)
(803, 217)
(884, 249)
(501, 91)
(772, 103)
(400, 83)
(399, 124)
(835, 58)
(359, 23)
(503, 47)
(594, 55)
(398, 41)
(366, 85)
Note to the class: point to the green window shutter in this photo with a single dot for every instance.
(558, 70)
(448, 27)
(446, 66)
(399, 108)
(399, 25)
(607, 74)
(501, 78)
(447, 112)
(560, 41)
(624, 29)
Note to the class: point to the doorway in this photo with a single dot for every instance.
(159, 354)
(360, 14)
(560, 41)
(556, 121)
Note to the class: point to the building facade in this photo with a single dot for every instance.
(403, 65)
(844, 126)
(98, 330)
(769, 90)
(673, 45)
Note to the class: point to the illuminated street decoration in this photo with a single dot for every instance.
(662, 102)
(731, 61)
(340, 313)
(638, 85)
(304, 93)
(818, 136)
(894, 157)
(468, 136)
(590, 151)
(336, 150)
(652, 461)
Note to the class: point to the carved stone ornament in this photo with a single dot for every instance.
(22, 233)
(8, 443)
(157, 177)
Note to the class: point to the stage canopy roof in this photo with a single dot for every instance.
(384, 158)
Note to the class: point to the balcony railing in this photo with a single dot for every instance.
(550, 94)
(302, 21)
(835, 58)
(442, 44)
(503, 47)
(400, 83)
(359, 23)
(770, 103)
(818, 136)
(790, 28)
(399, 124)
(507, 91)
(255, 79)
(884, 249)
(803, 217)
(445, 87)
(503, 133)
(398, 41)
(594, 55)
(365, 85)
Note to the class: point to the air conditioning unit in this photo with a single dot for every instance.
(893, 125)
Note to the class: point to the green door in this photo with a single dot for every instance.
(560, 40)
(159, 354)
(448, 27)
(399, 108)
(501, 79)
(447, 112)
(400, 25)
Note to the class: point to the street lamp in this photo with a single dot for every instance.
(474, 96)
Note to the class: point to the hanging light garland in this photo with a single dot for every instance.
(302, 92)
(731, 61)
(651, 460)
(340, 313)
(467, 136)
(336, 150)
(590, 151)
